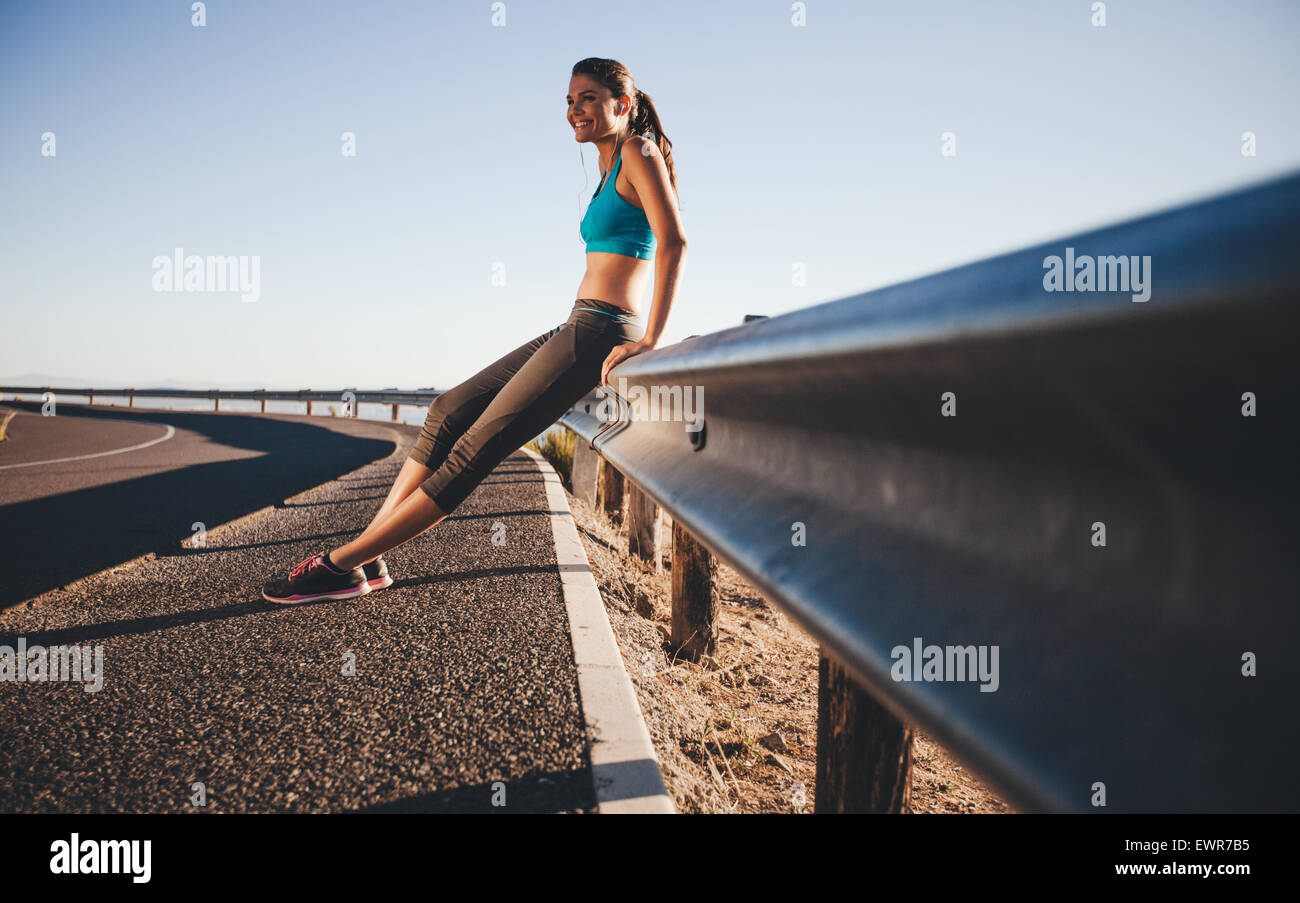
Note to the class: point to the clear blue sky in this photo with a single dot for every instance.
(817, 144)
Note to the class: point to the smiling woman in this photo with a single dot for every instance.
(633, 213)
(632, 226)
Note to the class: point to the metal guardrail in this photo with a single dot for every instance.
(394, 397)
(1102, 489)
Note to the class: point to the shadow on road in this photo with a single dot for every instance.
(534, 793)
(53, 540)
(87, 633)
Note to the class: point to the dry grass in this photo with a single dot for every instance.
(556, 446)
(737, 732)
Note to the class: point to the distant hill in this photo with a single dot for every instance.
(42, 379)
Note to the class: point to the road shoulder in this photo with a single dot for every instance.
(624, 766)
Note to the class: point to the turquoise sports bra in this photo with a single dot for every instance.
(613, 225)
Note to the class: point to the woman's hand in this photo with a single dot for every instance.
(618, 354)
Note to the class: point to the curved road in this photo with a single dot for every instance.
(73, 502)
(46, 433)
(454, 689)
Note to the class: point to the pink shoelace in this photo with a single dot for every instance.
(305, 565)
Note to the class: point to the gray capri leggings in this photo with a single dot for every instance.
(477, 425)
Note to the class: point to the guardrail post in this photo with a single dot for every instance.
(92, 399)
(642, 518)
(216, 403)
(695, 604)
(263, 405)
(609, 490)
(309, 409)
(864, 752)
(395, 407)
(585, 466)
(131, 402)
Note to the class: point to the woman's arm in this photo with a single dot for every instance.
(648, 174)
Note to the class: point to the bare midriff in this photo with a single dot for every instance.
(615, 278)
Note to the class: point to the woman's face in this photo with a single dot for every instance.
(594, 112)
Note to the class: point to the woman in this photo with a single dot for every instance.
(631, 224)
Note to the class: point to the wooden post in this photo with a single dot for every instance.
(864, 752)
(610, 491)
(131, 403)
(661, 522)
(642, 518)
(695, 604)
(92, 399)
(395, 407)
(263, 405)
(585, 466)
(309, 409)
(216, 404)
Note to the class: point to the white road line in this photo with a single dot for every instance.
(623, 762)
(171, 431)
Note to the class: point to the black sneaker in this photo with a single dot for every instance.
(313, 579)
(377, 573)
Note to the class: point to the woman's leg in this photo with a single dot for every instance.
(408, 480)
(564, 369)
(450, 414)
(528, 390)
(407, 520)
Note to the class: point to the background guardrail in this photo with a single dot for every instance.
(1100, 489)
(393, 397)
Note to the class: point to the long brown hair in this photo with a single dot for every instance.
(644, 117)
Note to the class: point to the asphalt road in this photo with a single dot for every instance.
(464, 692)
(63, 520)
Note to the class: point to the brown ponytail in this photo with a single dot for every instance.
(644, 118)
